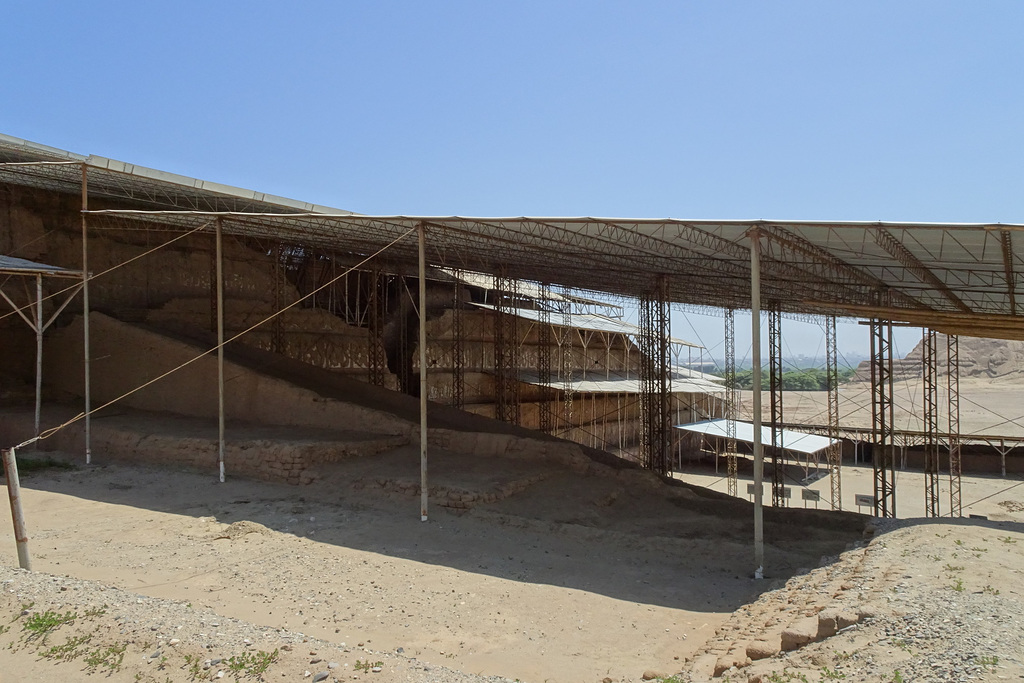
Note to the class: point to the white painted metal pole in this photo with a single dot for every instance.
(220, 353)
(755, 341)
(423, 372)
(14, 493)
(39, 350)
(85, 314)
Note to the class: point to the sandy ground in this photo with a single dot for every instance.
(986, 406)
(574, 578)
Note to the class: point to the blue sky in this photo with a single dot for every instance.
(720, 109)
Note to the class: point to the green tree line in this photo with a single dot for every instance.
(804, 379)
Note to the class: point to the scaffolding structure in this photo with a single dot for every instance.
(930, 409)
(775, 402)
(458, 334)
(731, 405)
(545, 339)
(834, 454)
(377, 362)
(953, 405)
(655, 392)
(935, 275)
(507, 407)
(883, 460)
(565, 334)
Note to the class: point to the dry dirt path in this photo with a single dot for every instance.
(571, 579)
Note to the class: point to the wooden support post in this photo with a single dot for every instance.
(220, 351)
(85, 314)
(14, 493)
(423, 372)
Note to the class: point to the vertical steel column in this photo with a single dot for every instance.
(930, 407)
(458, 359)
(883, 461)
(775, 388)
(755, 340)
(14, 494)
(220, 350)
(85, 315)
(731, 405)
(376, 300)
(953, 388)
(654, 368)
(565, 332)
(423, 370)
(545, 415)
(835, 453)
(506, 351)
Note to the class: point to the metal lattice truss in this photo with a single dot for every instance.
(883, 458)
(953, 389)
(655, 364)
(834, 453)
(731, 403)
(775, 389)
(955, 278)
(930, 406)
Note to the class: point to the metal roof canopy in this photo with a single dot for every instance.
(953, 277)
(585, 321)
(623, 383)
(14, 266)
(798, 442)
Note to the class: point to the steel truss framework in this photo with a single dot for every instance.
(834, 453)
(377, 364)
(953, 393)
(565, 334)
(458, 355)
(731, 405)
(883, 460)
(955, 278)
(930, 407)
(775, 389)
(506, 351)
(545, 339)
(655, 392)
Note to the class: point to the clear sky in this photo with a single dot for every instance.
(867, 110)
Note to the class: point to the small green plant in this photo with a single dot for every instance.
(897, 677)
(4, 628)
(1007, 539)
(977, 549)
(252, 663)
(987, 660)
(41, 624)
(94, 612)
(958, 542)
(109, 657)
(958, 586)
(902, 644)
(953, 567)
(785, 677)
(831, 674)
(990, 590)
(934, 558)
(194, 664)
(670, 679)
(69, 651)
(367, 665)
